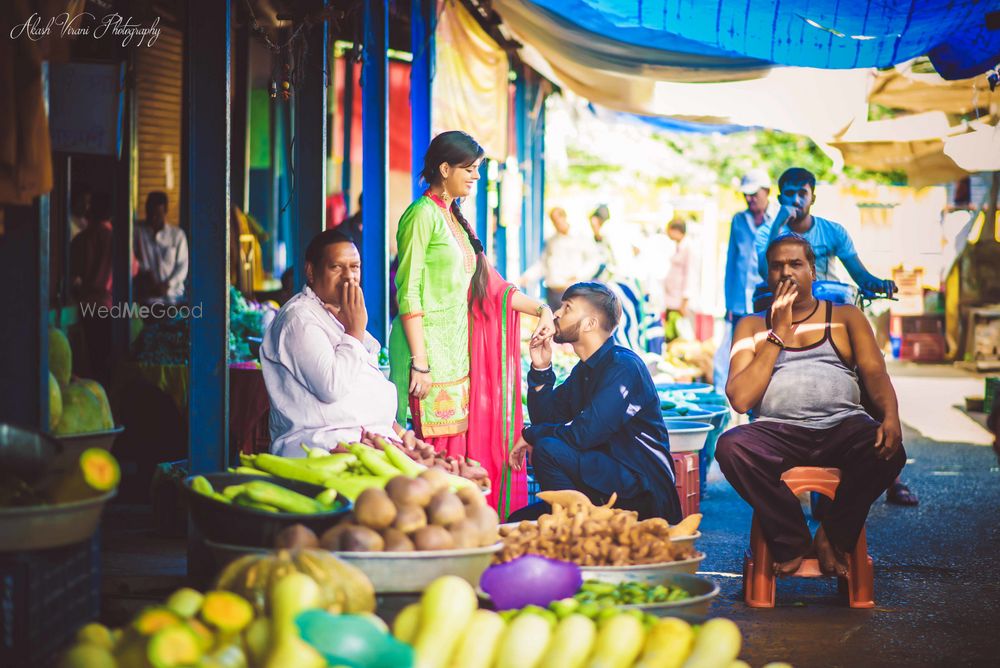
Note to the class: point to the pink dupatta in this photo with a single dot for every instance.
(495, 413)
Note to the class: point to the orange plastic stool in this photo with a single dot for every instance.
(758, 564)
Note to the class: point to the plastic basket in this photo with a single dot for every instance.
(46, 596)
(688, 485)
(533, 488)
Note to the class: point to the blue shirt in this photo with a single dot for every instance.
(741, 260)
(608, 403)
(828, 239)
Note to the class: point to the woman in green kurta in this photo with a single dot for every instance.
(436, 264)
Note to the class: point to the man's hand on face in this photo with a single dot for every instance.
(540, 350)
(351, 312)
(785, 295)
(888, 438)
(787, 214)
(518, 452)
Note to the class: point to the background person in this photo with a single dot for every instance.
(565, 260)
(680, 285)
(162, 252)
(741, 261)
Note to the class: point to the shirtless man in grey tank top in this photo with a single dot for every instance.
(796, 368)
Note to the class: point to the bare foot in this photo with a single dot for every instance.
(787, 567)
(830, 560)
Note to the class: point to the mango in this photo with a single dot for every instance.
(81, 411)
(55, 402)
(107, 421)
(60, 356)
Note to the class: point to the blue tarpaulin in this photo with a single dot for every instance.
(831, 34)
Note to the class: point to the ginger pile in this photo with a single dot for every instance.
(589, 535)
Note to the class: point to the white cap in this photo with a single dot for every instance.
(753, 181)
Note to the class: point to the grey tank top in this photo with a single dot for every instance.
(812, 386)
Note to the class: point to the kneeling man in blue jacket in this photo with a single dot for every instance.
(601, 431)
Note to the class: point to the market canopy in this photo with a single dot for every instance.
(904, 88)
(911, 144)
(713, 36)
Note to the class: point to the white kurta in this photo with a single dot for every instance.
(324, 385)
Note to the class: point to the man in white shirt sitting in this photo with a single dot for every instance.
(162, 252)
(320, 365)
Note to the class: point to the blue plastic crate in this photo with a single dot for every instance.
(533, 488)
(45, 597)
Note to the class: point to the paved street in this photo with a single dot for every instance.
(937, 577)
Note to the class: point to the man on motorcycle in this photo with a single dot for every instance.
(796, 195)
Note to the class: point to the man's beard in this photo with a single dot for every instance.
(568, 335)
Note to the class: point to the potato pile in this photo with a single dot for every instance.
(410, 514)
(590, 535)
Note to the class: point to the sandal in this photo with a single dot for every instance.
(900, 495)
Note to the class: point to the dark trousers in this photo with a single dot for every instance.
(557, 467)
(754, 456)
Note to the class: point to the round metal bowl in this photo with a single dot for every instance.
(694, 609)
(687, 436)
(26, 453)
(406, 572)
(393, 572)
(697, 388)
(41, 527)
(75, 444)
(645, 573)
(230, 524)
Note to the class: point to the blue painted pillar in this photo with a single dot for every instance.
(209, 45)
(483, 202)
(348, 120)
(375, 168)
(422, 14)
(523, 138)
(538, 181)
(126, 173)
(309, 152)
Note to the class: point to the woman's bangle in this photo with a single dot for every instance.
(775, 339)
(542, 307)
(418, 369)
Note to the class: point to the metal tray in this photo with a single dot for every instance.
(40, 527)
(406, 572)
(694, 609)
(646, 573)
(393, 572)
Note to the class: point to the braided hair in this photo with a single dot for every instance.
(459, 149)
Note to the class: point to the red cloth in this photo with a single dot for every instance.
(249, 409)
(90, 263)
(495, 413)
